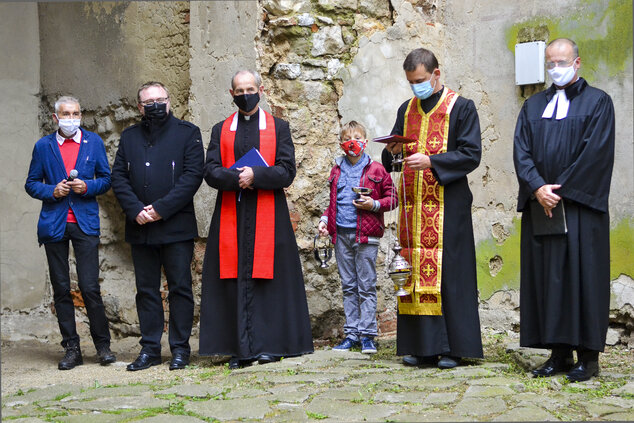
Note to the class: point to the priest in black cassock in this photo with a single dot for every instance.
(563, 153)
(253, 304)
(438, 322)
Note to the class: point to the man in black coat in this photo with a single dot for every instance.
(564, 153)
(157, 171)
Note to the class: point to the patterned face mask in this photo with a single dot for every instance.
(353, 148)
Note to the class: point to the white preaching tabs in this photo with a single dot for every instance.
(560, 101)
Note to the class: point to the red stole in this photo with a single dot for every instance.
(263, 255)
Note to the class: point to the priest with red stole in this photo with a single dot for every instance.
(438, 322)
(253, 304)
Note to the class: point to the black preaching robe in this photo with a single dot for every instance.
(565, 279)
(246, 317)
(457, 331)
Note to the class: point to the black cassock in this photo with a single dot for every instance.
(246, 317)
(565, 279)
(457, 331)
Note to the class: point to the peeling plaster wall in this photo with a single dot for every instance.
(113, 48)
(222, 42)
(22, 263)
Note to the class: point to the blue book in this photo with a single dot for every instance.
(252, 158)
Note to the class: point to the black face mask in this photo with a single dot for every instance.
(155, 111)
(246, 102)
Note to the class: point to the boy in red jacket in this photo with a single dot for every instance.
(356, 224)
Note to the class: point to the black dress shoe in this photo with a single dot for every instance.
(267, 358)
(583, 371)
(236, 363)
(419, 360)
(72, 358)
(553, 366)
(143, 361)
(448, 362)
(179, 361)
(105, 356)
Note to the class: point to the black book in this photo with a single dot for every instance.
(544, 225)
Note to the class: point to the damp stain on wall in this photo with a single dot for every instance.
(601, 29)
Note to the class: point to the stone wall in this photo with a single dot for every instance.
(323, 62)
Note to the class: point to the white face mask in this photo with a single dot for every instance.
(562, 76)
(69, 126)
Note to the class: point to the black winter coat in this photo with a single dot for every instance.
(159, 164)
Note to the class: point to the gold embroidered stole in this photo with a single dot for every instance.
(422, 216)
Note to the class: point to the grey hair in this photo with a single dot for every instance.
(575, 48)
(66, 100)
(256, 75)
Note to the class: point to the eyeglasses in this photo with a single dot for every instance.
(160, 100)
(560, 64)
(69, 115)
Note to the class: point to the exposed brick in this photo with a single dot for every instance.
(78, 300)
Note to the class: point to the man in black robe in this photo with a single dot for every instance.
(253, 304)
(563, 153)
(441, 339)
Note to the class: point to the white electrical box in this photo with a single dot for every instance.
(529, 63)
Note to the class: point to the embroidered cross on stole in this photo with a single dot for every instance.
(422, 217)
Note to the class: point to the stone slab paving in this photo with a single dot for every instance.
(97, 417)
(526, 414)
(327, 386)
(349, 411)
(488, 391)
(232, 409)
(413, 397)
(480, 407)
(428, 416)
(122, 403)
(171, 419)
(192, 391)
(620, 417)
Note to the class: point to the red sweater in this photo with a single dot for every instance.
(69, 151)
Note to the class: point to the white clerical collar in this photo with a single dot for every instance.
(261, 117)
(76, 137)
(561, 102)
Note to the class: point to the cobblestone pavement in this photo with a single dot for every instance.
(325, 386)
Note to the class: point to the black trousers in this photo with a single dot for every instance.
(176, 259)
(86, 249)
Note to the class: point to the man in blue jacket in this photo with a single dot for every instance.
(157, 171)
(69, 169)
